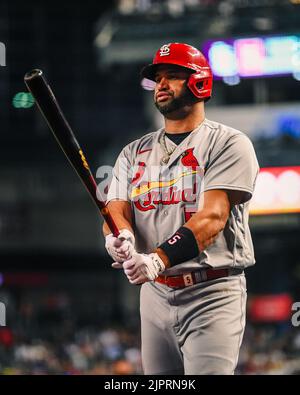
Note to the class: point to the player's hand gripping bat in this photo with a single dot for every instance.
(64, 135)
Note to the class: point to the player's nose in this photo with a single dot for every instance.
(163, 83)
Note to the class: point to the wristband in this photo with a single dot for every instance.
(181, 247)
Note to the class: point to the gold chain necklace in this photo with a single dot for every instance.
(165, 159)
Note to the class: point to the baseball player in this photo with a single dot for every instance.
(180, 197)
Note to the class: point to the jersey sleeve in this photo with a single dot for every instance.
(233, 167)
(120, 184)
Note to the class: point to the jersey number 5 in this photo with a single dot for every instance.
(174, 239)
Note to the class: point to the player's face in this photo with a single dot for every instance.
(171, 93)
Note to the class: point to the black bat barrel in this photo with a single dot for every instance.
(65, 137)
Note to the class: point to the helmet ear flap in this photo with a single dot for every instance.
(200, 86)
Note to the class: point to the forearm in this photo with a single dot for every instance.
(121, 223)
(206, 227)
(121, 213)
(199, 232)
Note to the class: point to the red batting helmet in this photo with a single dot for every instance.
(184, 55)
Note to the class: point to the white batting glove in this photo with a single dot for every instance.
(142, 267)
(120, 248)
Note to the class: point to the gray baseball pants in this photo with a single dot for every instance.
(195, 330)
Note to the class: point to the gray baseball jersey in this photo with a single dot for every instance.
(163, 198)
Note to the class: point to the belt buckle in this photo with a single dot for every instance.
(188, 279)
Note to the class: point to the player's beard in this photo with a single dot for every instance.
(177, 104)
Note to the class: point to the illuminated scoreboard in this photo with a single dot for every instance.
(254, 56)
(277, 191)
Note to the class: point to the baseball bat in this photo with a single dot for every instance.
(49, 107)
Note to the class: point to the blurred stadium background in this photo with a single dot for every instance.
(67, 312)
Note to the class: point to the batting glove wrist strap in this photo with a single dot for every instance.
(158, 265)
(181, 247)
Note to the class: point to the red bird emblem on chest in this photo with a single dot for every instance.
(189, 159)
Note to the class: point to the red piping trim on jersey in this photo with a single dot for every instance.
(142, 151)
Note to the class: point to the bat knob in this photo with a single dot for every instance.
(33, 74)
